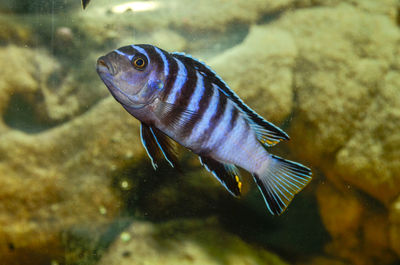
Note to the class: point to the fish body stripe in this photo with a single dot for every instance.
(222, 129)
(201, 99)
(194, 103)
(201, 127)
(130, 51)
(142, 51)
(129, 56)
(164, 60)
(171, 77)
(234, 146)
(186, 92)
(155, 55)
(179, 82)
(215, 119)
(184, 98)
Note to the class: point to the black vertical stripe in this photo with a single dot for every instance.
(186, 92)
(215, 119)
(233, 120)
(234, 114)
(203, 104)
(128, 50)
(171, 77)
(154, 57)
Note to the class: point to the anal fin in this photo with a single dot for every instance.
(158, 146)
(227, 174)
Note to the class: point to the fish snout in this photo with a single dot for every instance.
(103, 66)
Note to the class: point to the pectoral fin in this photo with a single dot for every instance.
(227, 174)
(158, 146)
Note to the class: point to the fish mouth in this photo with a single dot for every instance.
(104, 67)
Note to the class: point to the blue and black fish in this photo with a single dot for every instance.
(178, 98)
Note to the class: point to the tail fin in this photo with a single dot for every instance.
(280, 181)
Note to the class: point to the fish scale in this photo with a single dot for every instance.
(181, 100)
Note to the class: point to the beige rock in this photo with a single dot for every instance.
(385, 7)
(341, 211)
(185, 14)
(359, 230)
(26, 74)
(260, 71)
(370, 157)
(169, 40)
(61, 178)
(184, 242)
(12, 30)
(346, 122)
(337, 89)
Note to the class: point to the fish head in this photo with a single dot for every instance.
(130, 76)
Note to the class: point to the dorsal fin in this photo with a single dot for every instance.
(267, 133)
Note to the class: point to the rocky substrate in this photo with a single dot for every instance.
(72, 165)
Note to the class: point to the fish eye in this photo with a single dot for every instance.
(139, 63)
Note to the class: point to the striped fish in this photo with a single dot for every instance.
(180, 99)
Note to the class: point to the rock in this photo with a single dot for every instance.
(167, 39)
(394, 219)
(385, 7)
(321, 260)
(60, 178)
(12, 30)
(369, 157)
(184, 242)
(335, 68)
(341, 211)
(187, 15)
(338, 89)
(359, 231)
(260, 71)
(345, 123)
(43, 89)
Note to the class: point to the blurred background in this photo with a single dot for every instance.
(76, 185)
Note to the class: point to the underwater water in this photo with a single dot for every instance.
(77, 186)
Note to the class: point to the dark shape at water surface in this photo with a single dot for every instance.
(85, 3)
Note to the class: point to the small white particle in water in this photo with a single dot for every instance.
(113, 167)
(125, 185)
(125, 236)
(54, 262)
(102, 210)
(397, 206)
(128, 155)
